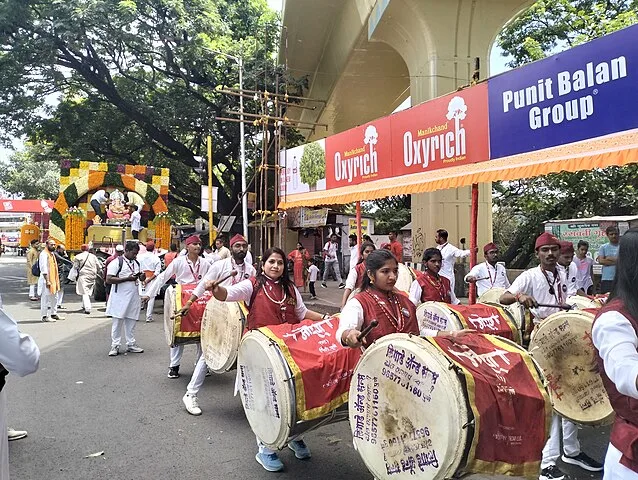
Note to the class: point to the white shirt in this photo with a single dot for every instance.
(533, 282)
(351, 318)
(222, 269)
(136, 221)
(616, 341)
(19, 353)
(212, 257)
(416, 291)
(43, 259)
(571, 276)
(223, 252)
(100, 196)
(184, 270)
(583, 279)
(149, 262)
(243, 291)
(354, 256)
(331, 251)
(493, 277)
(124, 300)
(449, 254)
(313, 272)
(351, 281)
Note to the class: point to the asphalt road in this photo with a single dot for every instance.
(81, 402)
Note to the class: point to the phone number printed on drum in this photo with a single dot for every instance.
(409, 373)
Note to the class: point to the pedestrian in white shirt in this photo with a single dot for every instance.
(565, 262)
(124, 302)
(151, 266)
(313, 275)
(220, 248)
(99, 198)
(188, 269)
(88, 267)
(584, 265)
(354, 251)
(20, 356)
(331, 261)
(219, 271)
(49, 283)
(547, 284)
(489, 274)
(449, 253)
(136, 221)
(615, 336)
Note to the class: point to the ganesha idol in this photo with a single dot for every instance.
(117, 212)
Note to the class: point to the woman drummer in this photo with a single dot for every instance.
(272, 299)
(430, 286)
(379, 300)
(358, 273)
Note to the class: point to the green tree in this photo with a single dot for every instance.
(521, 207)
(137, 81)
(312, 166)
(32, 174)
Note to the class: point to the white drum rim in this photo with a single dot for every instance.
(580, 302)
(456, 387)
(169, 311)
(489, 294)
(442, 306)
(545, 325)
(231, 360)
(281, 373)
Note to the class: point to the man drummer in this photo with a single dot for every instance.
(489, 274)
(541, 288)
(220, 270)
(187, 269)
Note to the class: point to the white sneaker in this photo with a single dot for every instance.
(190, 402)
(135, 348)
(15, 434)
(115, 350)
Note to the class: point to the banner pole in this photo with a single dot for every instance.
(473, 238)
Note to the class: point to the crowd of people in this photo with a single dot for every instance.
(135, 279)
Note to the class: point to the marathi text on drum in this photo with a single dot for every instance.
(367, 428)
(396, 374)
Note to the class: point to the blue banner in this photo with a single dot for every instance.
(586, 92)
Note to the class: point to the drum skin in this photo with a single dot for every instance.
(169, 315)
(581, 303)
(404, 279)
(392, 411)
(222, 329)
(447, 319)
(563, 348)
(493, 295)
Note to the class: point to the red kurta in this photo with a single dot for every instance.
(263, 311)
(299, 260)
(397, 250)
(395, 314)
(624, 432)
(434, 289)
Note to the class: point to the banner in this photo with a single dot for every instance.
(585, 92)
(445, 132)
(314, 218)
(365, 226)
(303, 168)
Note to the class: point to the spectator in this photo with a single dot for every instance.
(136, 221)
(32, 280)
(607, 258)
(331, 261)
(99, 198)
(88, 267)
(49, 283)
(354, 251)
(584, 265)
(395, 246)
(449, 253)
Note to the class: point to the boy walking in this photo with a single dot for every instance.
(313, 274)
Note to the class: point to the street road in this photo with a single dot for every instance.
(81, 402)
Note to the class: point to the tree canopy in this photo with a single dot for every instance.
(137, 81)
(521, 207)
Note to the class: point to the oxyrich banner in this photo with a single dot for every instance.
(585, 92)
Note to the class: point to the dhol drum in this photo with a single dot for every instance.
(404, 279)
(562, 346)
(492, 319)
(521, 315)
(582, 303)
(493, 295)
(222, 328)
(183, 330)
(294, 378)
(433, 408)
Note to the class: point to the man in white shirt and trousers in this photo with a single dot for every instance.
(151, 265)
(136, 222)
(188, 269)
(19, 355)
(124, 302)
(547, 284)
(489, 274)
(99, 198)
(220, 269)
(449, 254)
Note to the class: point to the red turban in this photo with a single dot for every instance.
(566, 248)
(237, 238)
(546, 239)
(489, 246)
(193, 239)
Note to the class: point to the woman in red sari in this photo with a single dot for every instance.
(272, 299)
(299, 257)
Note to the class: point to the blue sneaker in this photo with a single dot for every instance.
(302, 452)
(270, 461)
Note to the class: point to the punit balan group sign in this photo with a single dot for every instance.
(585, 92)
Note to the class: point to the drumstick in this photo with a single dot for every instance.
(231, 274)
(562, 307)
(368, 329)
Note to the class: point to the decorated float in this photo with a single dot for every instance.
(74, 221)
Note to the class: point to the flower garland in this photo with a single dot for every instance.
(74, 228)
(162, 224)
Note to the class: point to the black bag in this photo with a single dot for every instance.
(35, 269)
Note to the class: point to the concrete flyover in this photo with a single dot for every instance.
(365, 57)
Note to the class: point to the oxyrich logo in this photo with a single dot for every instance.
(358, 162)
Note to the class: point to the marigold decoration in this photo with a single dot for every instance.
(162, 224)
(74, 228)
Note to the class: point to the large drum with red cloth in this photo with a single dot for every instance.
(583, 303)
(183, 330)
(491, 319)
(563, 347)
(294, 378)
(436, 408)
(222, 328)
